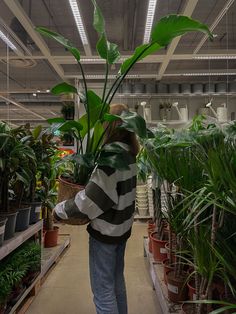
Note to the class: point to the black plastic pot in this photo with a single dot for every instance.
(10, 224)
(34, 211)
(2, 229)
(23, 218)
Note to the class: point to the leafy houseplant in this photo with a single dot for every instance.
(15, 157)
(68, 110)
(89, 130)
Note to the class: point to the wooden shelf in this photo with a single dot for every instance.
(19, 238)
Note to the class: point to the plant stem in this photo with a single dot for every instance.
(105, 85)
(127, 71)
(87, 106)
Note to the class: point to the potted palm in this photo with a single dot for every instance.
(89, 130)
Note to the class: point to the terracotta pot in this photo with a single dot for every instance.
(150, 230)
(67, 190)
(158, 248)
(191, 290)
(51, 237)
(177, 289)
(166, 268)
(151, 224)
(173, 254)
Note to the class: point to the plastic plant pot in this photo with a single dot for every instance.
(177, 289)
(2, 229)
(191, 290)
(23, 218)
(10, 224)
(158, 248)
(51, 237)
(166, 268)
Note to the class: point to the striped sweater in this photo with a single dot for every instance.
(108, 200)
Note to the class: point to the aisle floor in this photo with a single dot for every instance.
(67, 288)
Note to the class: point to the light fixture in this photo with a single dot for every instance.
(143, 103)
(175, 105)
(149, 20)
(48, 90)
(34, 94)
(209, 105)
(38, 91)
(201, 74)
(222, 57)
(78, 21)
(7, 41)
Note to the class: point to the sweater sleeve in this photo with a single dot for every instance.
(99, 195)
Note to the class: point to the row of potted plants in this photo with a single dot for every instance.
(196, 168)
(28, 178)
(17, 272)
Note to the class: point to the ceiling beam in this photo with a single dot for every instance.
(214, 24)
(21, 106)
(188, 11)
(19, 13)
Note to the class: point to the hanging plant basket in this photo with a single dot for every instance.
(67, 190)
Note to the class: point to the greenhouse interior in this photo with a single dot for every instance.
(117, 156)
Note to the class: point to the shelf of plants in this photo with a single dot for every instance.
(195, 237)
(156, 273)
(19, 238)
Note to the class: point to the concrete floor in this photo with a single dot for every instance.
(67, 288)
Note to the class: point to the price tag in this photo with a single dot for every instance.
(2, 229)
(172, 288)
(163, 250)
(37, 209)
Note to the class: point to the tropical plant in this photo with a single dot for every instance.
(15, 158)
(89, 129)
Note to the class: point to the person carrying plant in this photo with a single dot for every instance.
(108, 204)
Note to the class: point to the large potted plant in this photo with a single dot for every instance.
(89, 129)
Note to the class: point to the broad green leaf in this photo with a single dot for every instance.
(173, 25)
(110, 117)
(86, 160)
(106, 50)
(36, 131)
(69, 125)
(97, 134)
(56, 120)
(140, 53)
(134, 123)
(64, 88)
(61, 40)
(98, 19)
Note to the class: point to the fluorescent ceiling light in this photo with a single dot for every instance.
(34, 94)
(201, 74)
(7, 41)
(149, 20)
(78, 21)
(214, 57)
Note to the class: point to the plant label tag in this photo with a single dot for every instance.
(194, 297)
(38, 209)
(172, 288)
(2, 229)
(163, 250)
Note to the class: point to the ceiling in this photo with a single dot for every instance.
(45, 63)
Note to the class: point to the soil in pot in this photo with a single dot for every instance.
(2, 229)
(67, 190)
(177, 288)
(10, 224)
(158, 248)
(51, 237)
(23, 218)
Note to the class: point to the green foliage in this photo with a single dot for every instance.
(97, 108)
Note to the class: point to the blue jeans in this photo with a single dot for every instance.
(106, 262)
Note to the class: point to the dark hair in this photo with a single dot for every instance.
(114, 134)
